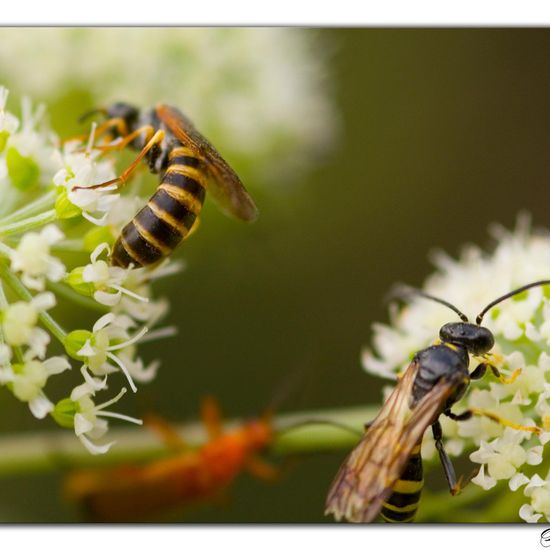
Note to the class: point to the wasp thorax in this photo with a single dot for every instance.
(475, 339)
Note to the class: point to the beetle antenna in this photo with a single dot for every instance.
(404, 292)
(519, 290)
(91, 113)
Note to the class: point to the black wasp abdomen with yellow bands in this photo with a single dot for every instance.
(168, 216)
(402, 504)
(187, 163)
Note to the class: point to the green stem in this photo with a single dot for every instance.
(21, 291)
(46, 452)
(5, 251)
(44, 201)
(3, 305)
(28, 223)
(69, 245)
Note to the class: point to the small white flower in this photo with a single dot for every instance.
(8, 122)
(19, 324)
(108, 280)
(97, 349)
(32, 258)
(503, 456)
(27, 381)
(81, 169)
(527, 514)
(138, 371)
(90, 423)
(538, 490)
(517, 481)
(34, 144)
(485, 482)
(138, 283)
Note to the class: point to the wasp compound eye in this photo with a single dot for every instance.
(475, 339)
(125, 111)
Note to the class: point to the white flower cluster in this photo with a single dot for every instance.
(256, 93)
(46, 230)
(521, 327)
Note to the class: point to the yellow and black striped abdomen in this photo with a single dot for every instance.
(402, 504)
(168, 216)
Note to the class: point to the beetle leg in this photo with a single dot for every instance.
(263, 470)
(167, 432)
(211, 417)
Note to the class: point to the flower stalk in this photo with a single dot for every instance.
(297, 434)
(28, 223)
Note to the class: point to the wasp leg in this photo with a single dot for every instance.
(466, 415)
(167, 432)
(448, 468)
(481, 369)
(148, 130)
(455, 486)
(123, 178)
(118, 123)
(478, 372)
(211, 417)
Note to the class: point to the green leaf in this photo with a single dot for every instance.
(4, 135)
(24, 172)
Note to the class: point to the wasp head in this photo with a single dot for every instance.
(125, 111)
(477, 340)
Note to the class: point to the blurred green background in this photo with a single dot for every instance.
(443, 131)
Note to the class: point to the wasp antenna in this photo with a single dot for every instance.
(519, 290)
(293, 380)
(91, 113)
(404, 292)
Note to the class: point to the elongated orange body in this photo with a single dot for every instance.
(139, 492)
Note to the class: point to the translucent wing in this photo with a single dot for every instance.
(224, 184)
(366, 478)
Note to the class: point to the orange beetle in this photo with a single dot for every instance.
(139, 492)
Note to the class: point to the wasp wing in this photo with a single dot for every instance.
(366, 478)
(223, 182)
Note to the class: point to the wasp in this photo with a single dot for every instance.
(187, 164)
(140, 492)
(383, 474)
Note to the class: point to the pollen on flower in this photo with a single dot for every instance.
(521, 330)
